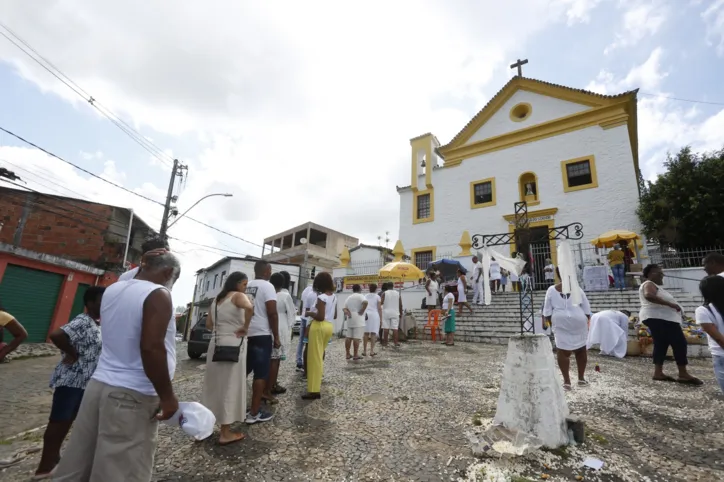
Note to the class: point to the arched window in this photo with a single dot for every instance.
(528, 188)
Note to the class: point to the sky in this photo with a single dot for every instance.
(304, 110)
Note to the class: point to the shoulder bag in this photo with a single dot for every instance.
(224, 353)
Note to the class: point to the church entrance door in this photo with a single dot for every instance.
(540, 249)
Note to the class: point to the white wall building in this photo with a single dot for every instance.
(571, 154)
(210, 280)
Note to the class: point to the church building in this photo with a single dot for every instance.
(572, 155)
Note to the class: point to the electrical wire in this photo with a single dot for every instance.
(80, 168)
(149, 146)
(682, 100)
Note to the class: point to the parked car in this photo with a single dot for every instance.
(199, 339)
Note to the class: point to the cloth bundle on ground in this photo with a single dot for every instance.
(607, 333)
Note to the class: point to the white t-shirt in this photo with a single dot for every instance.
(373, 301)
(448, 302)
(309, 301)
(702, 315)
(354, 304)
(330, 305)
(259, 292)
(391, 306)
(128, 275)
(550, 275)
(120, 364)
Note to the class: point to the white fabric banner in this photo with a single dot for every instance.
(567, 270)
(514, 265)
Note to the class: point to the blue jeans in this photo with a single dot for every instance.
(618, 276)
(300, 346)
(719, 370)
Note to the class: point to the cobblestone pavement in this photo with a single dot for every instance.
(25, 397)
(405, 415)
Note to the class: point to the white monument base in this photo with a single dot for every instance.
(531, 394)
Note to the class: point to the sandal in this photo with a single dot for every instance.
(373, 354)
(690, 381)
(270, 401)
(349, 357)
(356, 358)
(583, 383)
(567, 387)
(364, 353)
(665, 378)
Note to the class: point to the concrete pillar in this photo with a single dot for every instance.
(531, 396)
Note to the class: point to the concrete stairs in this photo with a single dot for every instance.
(496, 322)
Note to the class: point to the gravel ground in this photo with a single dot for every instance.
(405, 415)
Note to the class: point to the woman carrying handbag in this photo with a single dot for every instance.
(224, 390)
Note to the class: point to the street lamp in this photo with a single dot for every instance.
(303, 242)
(194, 204)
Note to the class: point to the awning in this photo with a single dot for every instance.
(609, 238)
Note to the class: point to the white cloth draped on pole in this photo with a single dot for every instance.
(514, 265)
(568, 273)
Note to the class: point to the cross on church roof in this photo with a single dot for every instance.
(519, 64)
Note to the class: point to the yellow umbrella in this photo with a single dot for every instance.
(400, 269)
(609, 238)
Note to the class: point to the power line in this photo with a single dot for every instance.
(210, 247)
(58, 74)
(80, 168)
(682, 100)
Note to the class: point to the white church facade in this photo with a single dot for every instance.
(571, 154)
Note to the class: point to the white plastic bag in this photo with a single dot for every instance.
(194, 419)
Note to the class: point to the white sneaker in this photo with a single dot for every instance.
(261, 416)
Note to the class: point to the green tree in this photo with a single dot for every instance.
(683, 207)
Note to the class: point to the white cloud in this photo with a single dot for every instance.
(579, 11)
(713, 18)
(641, 19)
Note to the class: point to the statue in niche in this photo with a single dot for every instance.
(530, 189)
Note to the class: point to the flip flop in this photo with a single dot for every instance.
(238, 439)
(666, 378)
(567, 387)
(357, 358)
(583, 383)
(690, 381)
(373, 354)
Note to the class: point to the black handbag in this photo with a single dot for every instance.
(224, 353)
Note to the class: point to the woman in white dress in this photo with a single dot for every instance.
(462, 292)
(224, 391)
(431, 291)
(495, 275)
(570, 329)
(373, 317)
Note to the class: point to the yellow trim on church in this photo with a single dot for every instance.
(588, 118)
(521, 107)
(473, 205)
(594, 177)
(431, 217)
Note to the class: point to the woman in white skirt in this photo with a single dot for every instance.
(462, 292)
(224, 390)
(373, 316)
(570, 329)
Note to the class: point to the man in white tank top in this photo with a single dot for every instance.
(391, 314)
(114, 438)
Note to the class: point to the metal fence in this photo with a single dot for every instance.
(672, 258)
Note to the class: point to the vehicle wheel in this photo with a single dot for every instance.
(194, 354)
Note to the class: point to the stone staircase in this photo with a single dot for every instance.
(496, 322)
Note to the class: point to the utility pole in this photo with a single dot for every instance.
(176, 171)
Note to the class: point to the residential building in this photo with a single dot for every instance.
(310, 243)
(93, 234)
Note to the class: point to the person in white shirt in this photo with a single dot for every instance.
(662, 315)
(549, 272)
(354, 310)
(309, 307)
(448, 308)
(604, 331)
(263, 340)
(463, 292)
(391, 314)
(287, 314)
(714, 264)
(303, 327)
(477, 281)
(709, 317)
(115, 433)
(320, 332)
(495, 275)
(431, 291)
(373, 317)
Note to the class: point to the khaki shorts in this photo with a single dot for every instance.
(390, 322)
